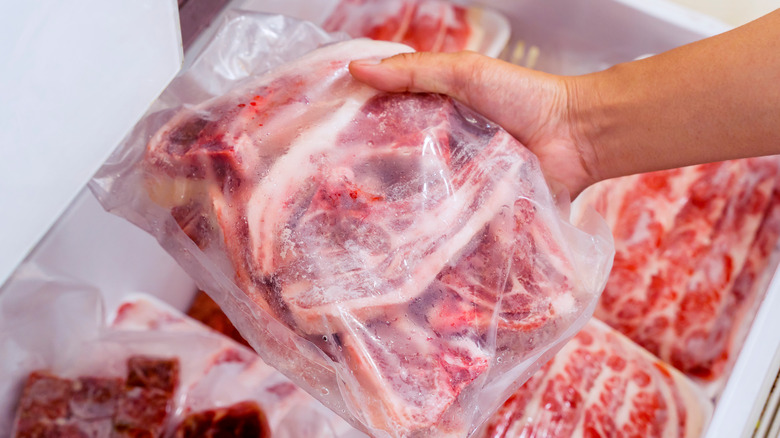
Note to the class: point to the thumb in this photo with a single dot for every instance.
(444, 73)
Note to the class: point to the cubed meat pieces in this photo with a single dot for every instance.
(241, 420)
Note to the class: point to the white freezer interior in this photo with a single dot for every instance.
(572, 37)
(75, 75)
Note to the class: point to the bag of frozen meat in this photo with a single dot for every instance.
(398, 256)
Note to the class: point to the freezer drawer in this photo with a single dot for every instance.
(569, 37)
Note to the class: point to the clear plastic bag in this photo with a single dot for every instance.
(53, 329)
(398, 256)
(235, 375)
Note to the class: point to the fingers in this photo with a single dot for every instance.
(445, 73)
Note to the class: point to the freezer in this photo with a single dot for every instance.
(65, 232)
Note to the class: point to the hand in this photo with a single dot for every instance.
(712, 100)
(535, 107)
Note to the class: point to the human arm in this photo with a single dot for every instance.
(715, 99)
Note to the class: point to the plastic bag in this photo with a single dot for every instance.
(237, 375)
(398, 256)
(53, 329)
(603, 384)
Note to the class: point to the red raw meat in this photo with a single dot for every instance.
(730, 329)
(241, 420)
(244, 376)
(153, 373)
(409, 239)
(602, 385)
(147, 398)
(206, 311)
(52, 406)
(682, 237)
(425, 25)
(86, 407)
(44, 404)
(95, 397)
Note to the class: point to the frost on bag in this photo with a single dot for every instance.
(397, 255)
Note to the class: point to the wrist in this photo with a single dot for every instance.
(582, 112)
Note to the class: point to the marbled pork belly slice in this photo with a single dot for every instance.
(602, 384)
(728, 330)
(640, 210)
(674, 266)
(508, 293)
(402, 200)
(516, 286)
(205, 163)
(425, 25)
(385, 21)
(405, 379)
(438, 26)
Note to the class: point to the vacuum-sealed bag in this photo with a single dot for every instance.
(397, 255)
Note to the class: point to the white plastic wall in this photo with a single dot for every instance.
(75, 76)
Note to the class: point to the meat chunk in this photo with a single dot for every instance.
(241, 420)
(95, 397)
(414, 243)
(602, 384)
(682, 238)
(97, 407)
(44, 405)
(205, 310)
(153, 373)
(147, 398)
